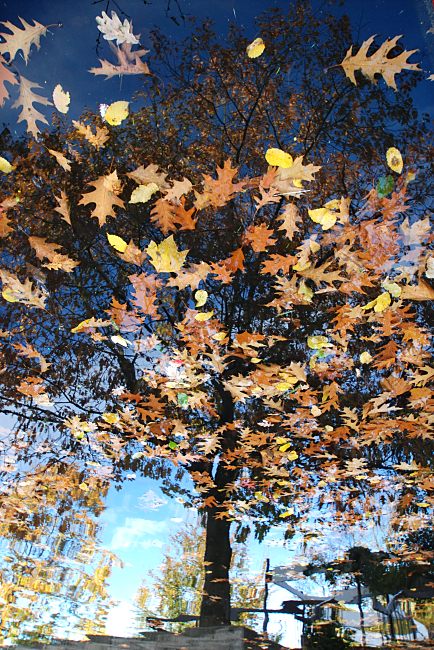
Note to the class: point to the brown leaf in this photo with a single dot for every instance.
(25, 100)
(128, 62)
(290, 217)
(61, 159)
(22, 292)
(21, 38)
(63, 207)
(150, 174)
(421, 291)
(104, 196)
(5, 76)
(378, 63)
(97, 139)
(218, 192)
(49, 251)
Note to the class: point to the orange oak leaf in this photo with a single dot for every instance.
(104, 196)
(290, 217)
(218, 192)
(259, 237)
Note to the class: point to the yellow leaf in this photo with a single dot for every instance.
(423, 504)
(394, 159)
(84, 487)
(323, 216)
(292, 455)
(116, 113)
(288, 513)
(203, 316)
(285, 447)
(5, 166)
(316, 412)
(255, 48)
(278, 158)
(110, 418)
(165, 257)
(81, 326)
(117, 243)
(8, 295)
(318, 342)
(305, 291)
(119, 340)
(255, 360)
(143, 193)
(392, 287)
(219, 336)
(201, 297)
(365, 357)
(382, 302)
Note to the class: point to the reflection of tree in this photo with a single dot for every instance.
(267, 421)
(52, 573)
(176, 588)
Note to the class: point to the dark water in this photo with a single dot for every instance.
(268, 463)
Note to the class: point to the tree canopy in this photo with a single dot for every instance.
(228, 280)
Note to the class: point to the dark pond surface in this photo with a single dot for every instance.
(216, 382)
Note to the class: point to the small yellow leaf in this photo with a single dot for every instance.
(316, 412)
(200, 297)
(255, 360)
(110, 418)
(285, 447)
(365, 357)
(117, 243)
(143, 193)
(305, 291)
(116, 113)
(119, 340)
(5, 166)
(203, 316)
(301, 266)
(278, 158)
(220, 336)
(392, 287)
(318, 342)
(8, 295)
(84, 487)
(255, 48)
(314, 246)
(165, 257)
(423, 504)
(382, 302)
(288, 513)
(292, 455)
(394, 159)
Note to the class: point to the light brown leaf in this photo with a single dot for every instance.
(150, 174)
(21, 38)
(378, 62)
(97, 139)
(25, 100)
(5, 76)
(291, 217)
(128, 62)
(421, 291)
(61, 159)
(56, 261)
(104, 196)
(23, 292)
(63, 207)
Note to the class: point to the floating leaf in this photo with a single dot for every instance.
(61, 99)
(318, 342)
(165, 257)
(5, 166)
(365, 357)
(323, 216)
(255, 48)
(119, 340)
(394, 159)
(203, 316)
(143, 193)
(385, 186)
(117, 242)
(116, 113)
(278, 158)
(201, 297)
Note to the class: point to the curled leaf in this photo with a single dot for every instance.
(201, 297)
(318, 342)
(203, 316)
